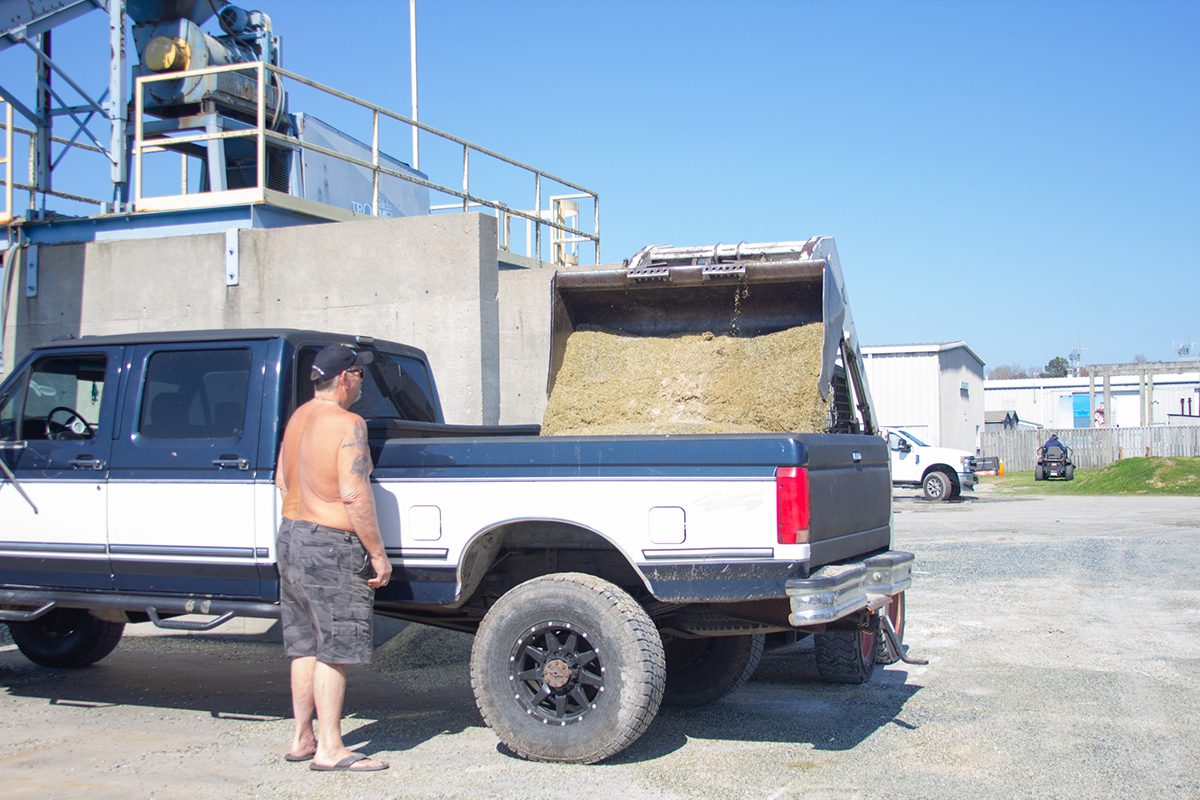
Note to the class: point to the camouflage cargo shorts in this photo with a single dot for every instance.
(325, 602)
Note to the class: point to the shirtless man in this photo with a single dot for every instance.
(331, 557)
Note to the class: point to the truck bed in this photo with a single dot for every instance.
(721, 487)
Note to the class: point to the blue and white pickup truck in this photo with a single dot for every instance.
(596, 572)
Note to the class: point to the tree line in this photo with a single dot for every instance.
(1057, 367)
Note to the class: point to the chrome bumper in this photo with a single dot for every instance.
(839, 590)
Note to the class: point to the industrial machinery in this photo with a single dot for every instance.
(169, 39)
(743, 290)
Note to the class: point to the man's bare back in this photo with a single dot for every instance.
(319, 438)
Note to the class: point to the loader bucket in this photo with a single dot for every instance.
(743, 290)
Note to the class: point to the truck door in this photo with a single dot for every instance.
(56, 426)
(905, 459)
(182, 485)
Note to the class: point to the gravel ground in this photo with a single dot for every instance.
(1063, 663)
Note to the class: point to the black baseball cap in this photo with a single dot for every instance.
(336, 359)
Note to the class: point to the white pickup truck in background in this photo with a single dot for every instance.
(941, 472)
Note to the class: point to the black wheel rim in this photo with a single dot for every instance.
(556, 673)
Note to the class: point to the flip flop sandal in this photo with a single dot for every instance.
(345, 765)
(297, 759)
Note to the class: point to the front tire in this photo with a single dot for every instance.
(66, 637)
(567, 667)
(937, 486)
(702, 671)
(846, 655)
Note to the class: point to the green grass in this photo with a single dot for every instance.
(1152, 476)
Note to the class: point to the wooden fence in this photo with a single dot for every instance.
(1092, 447)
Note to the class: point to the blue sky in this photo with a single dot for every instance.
(1020, 175)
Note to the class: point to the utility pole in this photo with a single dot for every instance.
(412, 51)
(117, 104)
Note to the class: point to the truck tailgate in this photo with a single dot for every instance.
(850, 495)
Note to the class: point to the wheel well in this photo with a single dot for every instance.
(943, 468)
(510, 554)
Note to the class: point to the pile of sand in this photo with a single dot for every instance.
(615, 384)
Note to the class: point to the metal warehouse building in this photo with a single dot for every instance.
(1174, 399)
(934, 391)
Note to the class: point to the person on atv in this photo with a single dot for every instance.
(1053, 441)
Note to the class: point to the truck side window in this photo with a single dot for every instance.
(63, 397)
(195, 394)
(394, 387)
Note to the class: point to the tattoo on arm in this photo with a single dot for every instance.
(361, 467)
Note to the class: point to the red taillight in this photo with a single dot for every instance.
(791, 504)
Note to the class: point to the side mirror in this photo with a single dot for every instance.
(904, 446)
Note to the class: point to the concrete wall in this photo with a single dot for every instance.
(433, 282)
(524, 307)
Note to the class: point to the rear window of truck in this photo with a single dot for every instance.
(394, 387)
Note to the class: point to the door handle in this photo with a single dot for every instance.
(84, 461)
(232, 462)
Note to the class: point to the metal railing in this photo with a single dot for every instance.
(6, 213)
(565, 238)
(8, 161)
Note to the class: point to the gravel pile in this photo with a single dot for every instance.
(704, 383)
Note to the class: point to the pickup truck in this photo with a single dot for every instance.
(940, 472)
(599, 575)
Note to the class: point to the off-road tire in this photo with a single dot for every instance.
(66, 637)
(567, 667)
(937, 486)
(702, 671)
(897, 610)
(845, 655)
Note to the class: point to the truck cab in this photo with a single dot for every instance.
(940, 472)
(143, 464)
